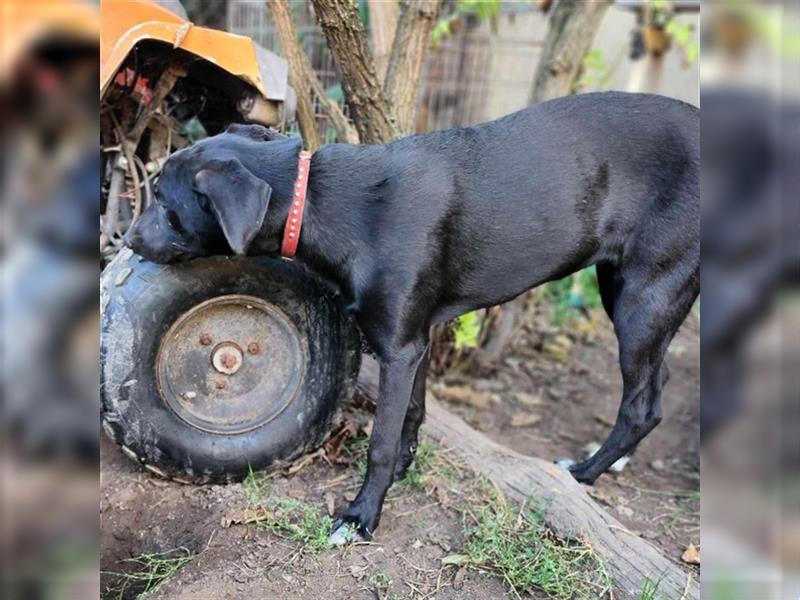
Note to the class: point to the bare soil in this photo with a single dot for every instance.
(553, 392)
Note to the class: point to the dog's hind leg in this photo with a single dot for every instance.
(413, 420)
(647, 311)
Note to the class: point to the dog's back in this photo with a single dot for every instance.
(565, 183)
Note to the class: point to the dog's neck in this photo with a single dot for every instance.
(342, 179)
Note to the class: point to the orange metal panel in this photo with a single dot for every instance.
(127, 22)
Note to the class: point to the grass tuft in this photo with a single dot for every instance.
(514, 543)
(300, 522)
(651, 590)
(430, 464)
(254, 487)
(149, 573)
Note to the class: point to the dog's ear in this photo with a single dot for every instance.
(255, 132)
(238, 199)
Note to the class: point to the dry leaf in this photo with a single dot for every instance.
(528, 399)
(330, 502)
(462, 394)
(246, 516)
(524, 420)
(691, 555)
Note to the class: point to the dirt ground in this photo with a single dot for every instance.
(550, 396)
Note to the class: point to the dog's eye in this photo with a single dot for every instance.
(174, 221)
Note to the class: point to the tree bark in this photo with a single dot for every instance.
(347, 40)
(298, 77)
(570, 512)
(573, 24)
(411, 41)
(382, 25)
(299, 63)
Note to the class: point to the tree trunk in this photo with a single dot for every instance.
(299, 63)
(572, 28)
(382, 25)
(411, 41)
(298, 77)
(570, 512)
(347, 40)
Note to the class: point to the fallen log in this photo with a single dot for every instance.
(570, 512)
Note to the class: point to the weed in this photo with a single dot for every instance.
(150, 572)
(254, 487)
(301, 522)
(651, 590)
(513, 543)
(573, 293)
(380, 580)
(467, 330)
(430, 463)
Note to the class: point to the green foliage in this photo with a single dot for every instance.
(482, 9)
(300, 522)
(651, 590)
(572, 293)
(430, 464)
(466, 330)
(512, 542)
(254, 487)
(598, 69)
(380, 580)
(683, 36)
(150, 572)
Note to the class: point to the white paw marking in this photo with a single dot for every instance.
(565, 463)
(345, 534)
(592, 448)
(620, 464)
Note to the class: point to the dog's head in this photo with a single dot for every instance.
(206, 201)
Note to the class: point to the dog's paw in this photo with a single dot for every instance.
(345, 533)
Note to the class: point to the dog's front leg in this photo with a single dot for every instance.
(396, 381)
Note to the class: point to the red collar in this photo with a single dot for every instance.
(294, 221)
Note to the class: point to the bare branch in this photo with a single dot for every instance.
(344, 129)
(347, 40)
(298, 77)
(573, 24)
(382, 27)
(411, 40)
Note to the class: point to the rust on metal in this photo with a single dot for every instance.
(227, 357)
(258, 386)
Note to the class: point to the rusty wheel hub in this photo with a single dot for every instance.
(230, 364)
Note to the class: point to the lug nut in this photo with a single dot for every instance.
(222, 384)
(253, 348)
(205, 339)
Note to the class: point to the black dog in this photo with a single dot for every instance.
(431, 226)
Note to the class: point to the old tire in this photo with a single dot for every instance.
(219, 365)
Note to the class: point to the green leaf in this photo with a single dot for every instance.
(467, 330)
